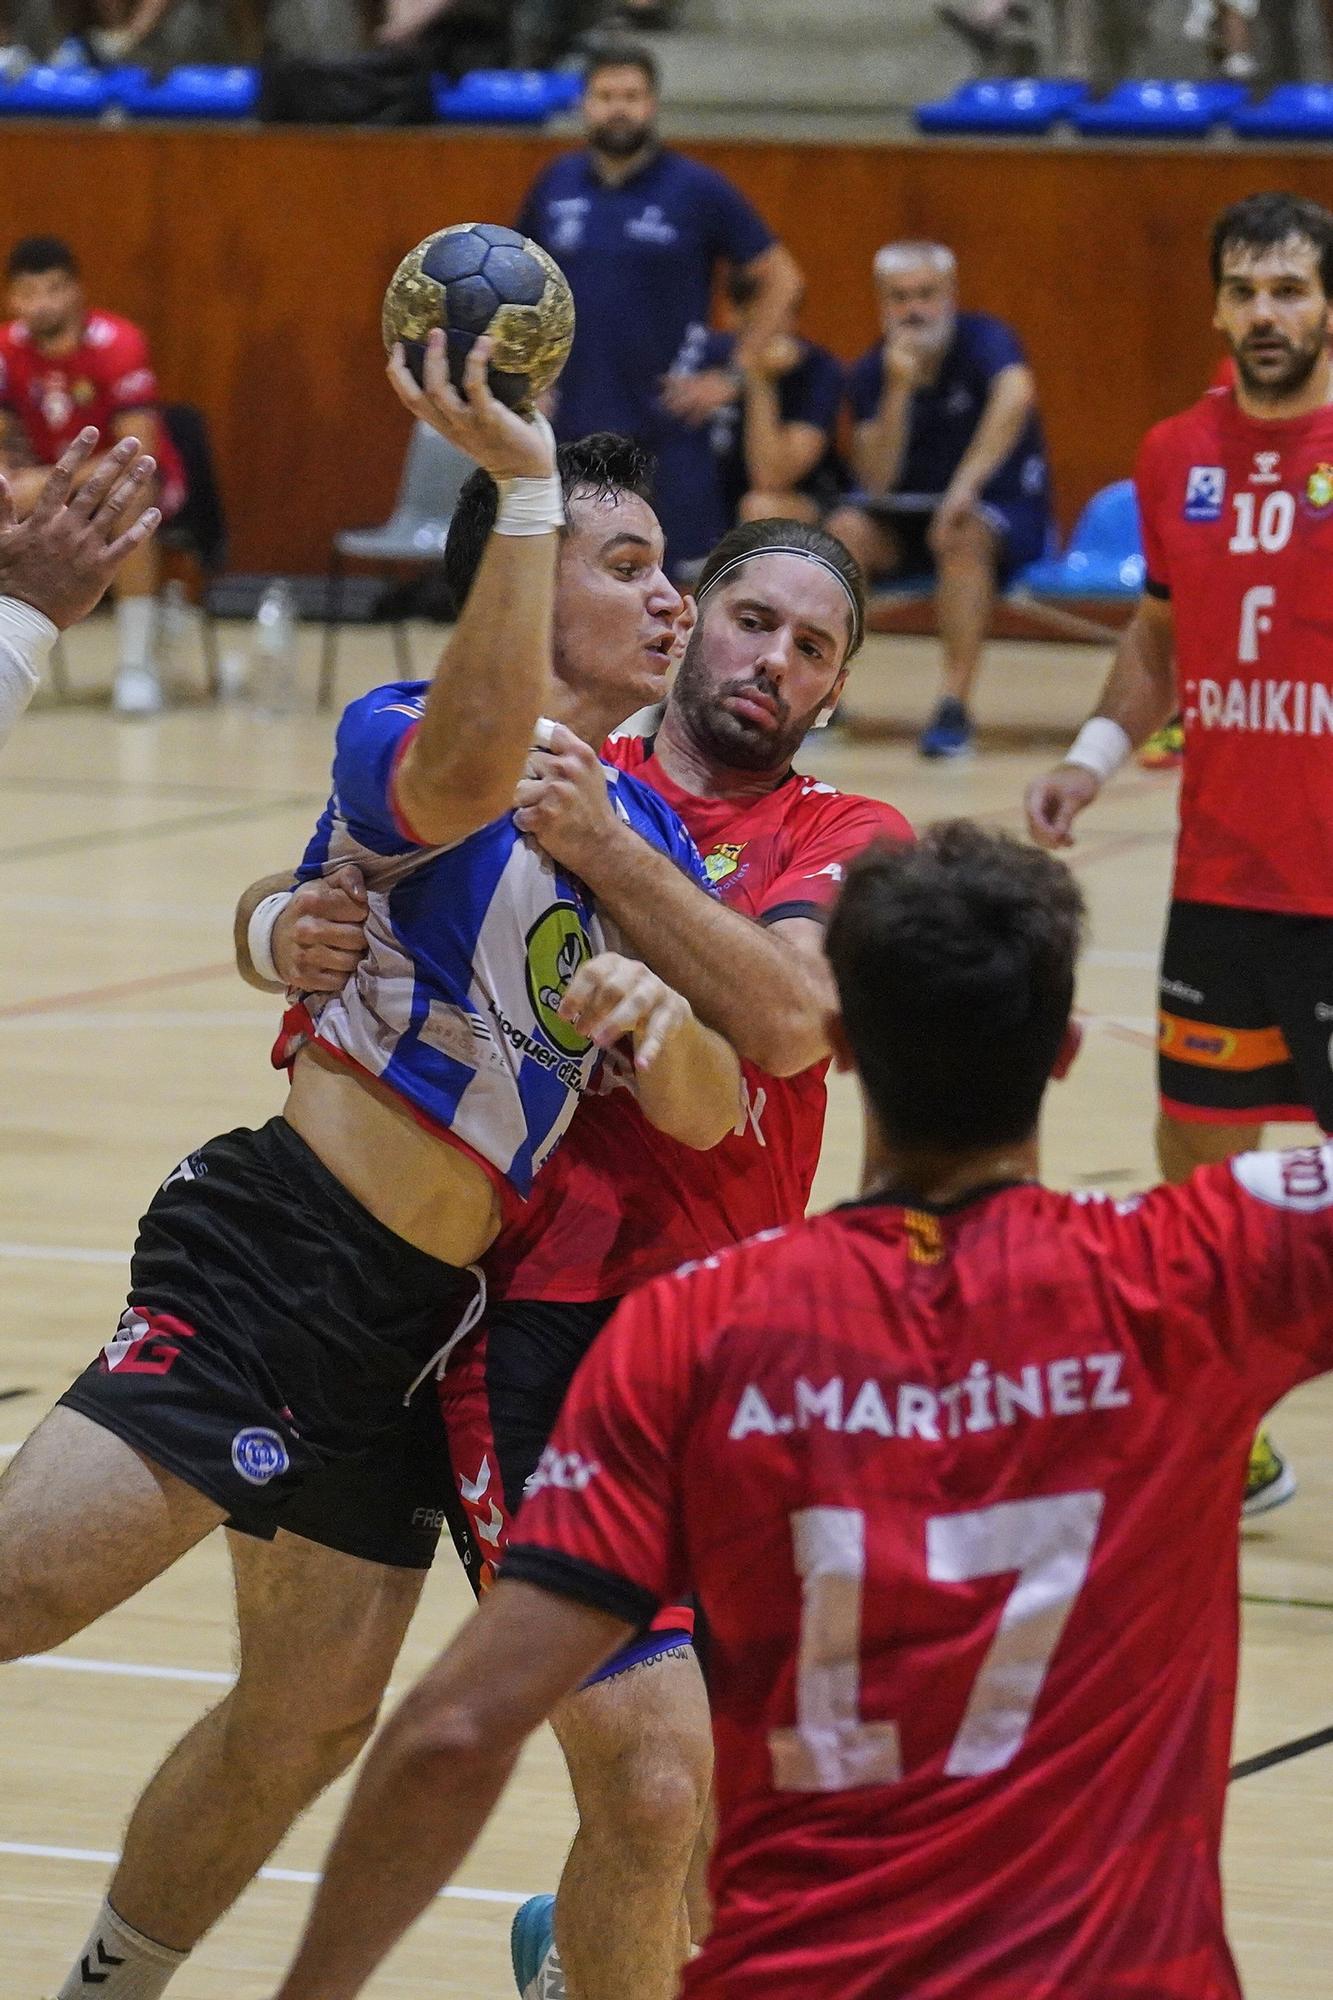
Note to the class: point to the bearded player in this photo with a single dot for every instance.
(923, 1460)
(1236, 630)
(779, 619)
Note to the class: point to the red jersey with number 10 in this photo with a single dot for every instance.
(1238, 531)
(620, 1202)
(972, 1678)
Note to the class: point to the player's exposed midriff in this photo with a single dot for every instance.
(417, 1183)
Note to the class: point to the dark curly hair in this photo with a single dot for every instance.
(598, 466)
(954, 960)
(1263, 221)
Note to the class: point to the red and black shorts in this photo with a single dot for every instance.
(1245, 1034)
(500, 1397)
(278, 1352)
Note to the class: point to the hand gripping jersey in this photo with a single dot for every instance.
(469, 950)
(108, 373)
(972, 1685)
(623, 1202)
(1238, 533)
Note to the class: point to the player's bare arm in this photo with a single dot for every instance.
(687, 1079)
(1009, 404)
(1139, 696)
(461, 765)
(434, 1773)
(318, 937)
(741, 980)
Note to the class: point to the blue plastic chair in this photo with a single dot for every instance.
(1292, 111)
(1022, 105)
(57, 93)
(197, 91)
(505, 96)
(1104, 557)
(1159, 110)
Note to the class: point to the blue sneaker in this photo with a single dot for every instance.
(538, 1973)
(949, 731)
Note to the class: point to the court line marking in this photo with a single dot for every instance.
(89, 996)
(69, 1663)
(305, 1877)
(1282, 1753)
(1286, 1603)
(124, 836)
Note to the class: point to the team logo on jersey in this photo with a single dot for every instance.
(557, 947)
(1205, 489)
(723, 861)
(925, 1238)
(1319, 489)
(259, 1455)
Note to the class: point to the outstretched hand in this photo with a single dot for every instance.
(61, 558)
(505, 444)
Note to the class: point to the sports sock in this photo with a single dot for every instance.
(118, 1962)
(136, 621)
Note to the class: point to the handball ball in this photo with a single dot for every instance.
(474, 278)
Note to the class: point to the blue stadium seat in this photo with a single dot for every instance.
(194, 92)
(1292, 111)
(505, 96)
(1169, 110)
(1027, 105)
(1104, 557)
(57, 93)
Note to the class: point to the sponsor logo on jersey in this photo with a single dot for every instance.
(568, 1471)
(1205, 490)
(259, 1455)
(1267, 470)
(1262, 707)
(1319, 489)
(985, 1399)
(1301, 1180)
(557, 947)
(724, 860)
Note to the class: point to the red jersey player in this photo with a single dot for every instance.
(63, 368)
(923, 1460)
(1235, 630)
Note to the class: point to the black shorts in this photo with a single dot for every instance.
(1021, 528)
(1246, 1016)
(500, 1396)
(277, 1352)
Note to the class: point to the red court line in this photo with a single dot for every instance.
(89, 996)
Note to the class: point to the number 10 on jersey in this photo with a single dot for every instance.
(1045, 1544)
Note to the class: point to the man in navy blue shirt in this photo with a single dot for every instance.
(949, 458)
(640, 231)
(774, 444)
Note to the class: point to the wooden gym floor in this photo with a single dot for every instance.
(125, 1040)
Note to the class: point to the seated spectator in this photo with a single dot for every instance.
(948, 457)
(63, 368)
(775, 442)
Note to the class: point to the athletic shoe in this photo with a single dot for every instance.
(538, 1973)
(137, 691)
(1165, 748)
(1270, 1481)
(949, 731)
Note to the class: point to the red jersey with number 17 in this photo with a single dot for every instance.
(620, 1202)
(1238, 532)
(926, 1473)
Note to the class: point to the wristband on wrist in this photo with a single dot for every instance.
(530, 506)
(1101, 747)
(259, 934)
(29, 631)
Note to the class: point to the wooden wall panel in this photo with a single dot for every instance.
(257, 260)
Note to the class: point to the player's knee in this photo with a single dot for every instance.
(652, 1797)
(969, 544)
(856, 532)
(276, 1729)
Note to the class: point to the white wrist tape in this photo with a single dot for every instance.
(532, 506)
(1101, 747)
(259, 934)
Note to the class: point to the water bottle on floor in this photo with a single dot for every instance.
(273, 677)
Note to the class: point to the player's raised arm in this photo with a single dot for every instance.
(461, 765)
(1138, 698)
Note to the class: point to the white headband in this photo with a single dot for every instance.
(807, 555)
